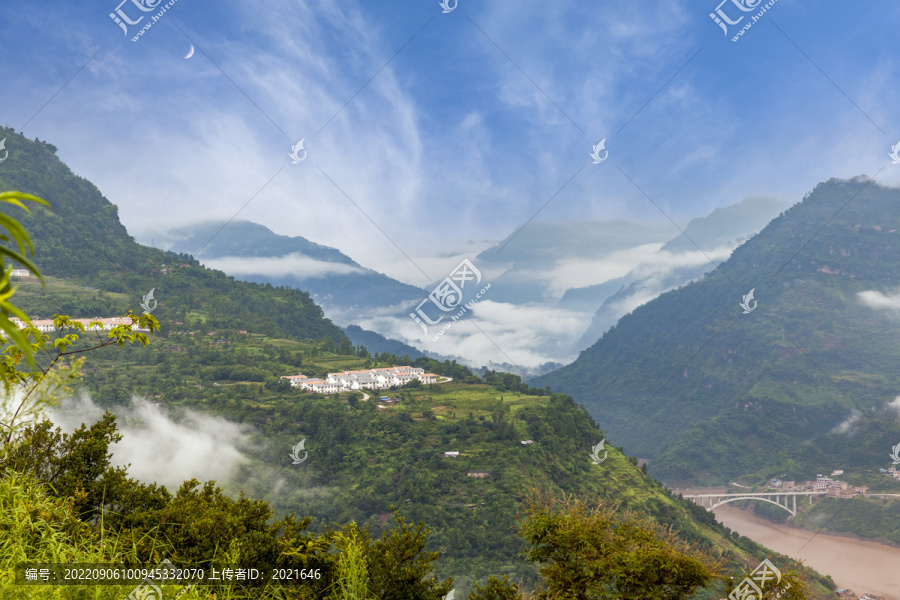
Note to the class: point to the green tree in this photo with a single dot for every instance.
(399, 566)
(76, 466)
(15, 233)
(603, 553)
(27, 393)
(792, 586)
(496, 589)
(352, 578)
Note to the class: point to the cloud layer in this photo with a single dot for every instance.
(294, 264)
(428, 131)
(163, 448)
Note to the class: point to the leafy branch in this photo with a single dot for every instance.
(38, 388)
(14, 232)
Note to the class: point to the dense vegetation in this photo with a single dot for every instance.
(81, 240)
(365, 462)
(709, 394)
(91, 511)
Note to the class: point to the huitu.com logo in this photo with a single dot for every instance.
(746, 303)
(3, 148)
(147, 300)
(723, 19)
(123, 20)
(895, 454)
(448, 8)
(296, 450)
(447, 296)
(751, 588)
(595, 452)
(596, 150)
(895, 154)
(296, 159)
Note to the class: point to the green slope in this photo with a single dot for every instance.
(710, 394)
(363, 460)
(224, 343)
(82, 241)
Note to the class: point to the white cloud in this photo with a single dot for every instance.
(895, 404)
(845, 427)
(164, 448)
(532, 333)
(581, 272)
(528, 335)
(878, 300)
(275, 266)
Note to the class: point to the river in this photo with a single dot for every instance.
(864, 567)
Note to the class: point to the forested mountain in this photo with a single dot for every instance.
(375, 342)
(709, 392)
(82, 239)
(221, 349)
(332, 278)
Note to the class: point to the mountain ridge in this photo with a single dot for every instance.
(82, 239)
(686, 378)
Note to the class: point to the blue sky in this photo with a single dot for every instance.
(483, 116)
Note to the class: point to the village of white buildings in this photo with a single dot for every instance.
(835, 488)
(370, 379)
(47, 326)
(99, 324)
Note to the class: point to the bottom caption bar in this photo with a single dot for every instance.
(164, 573)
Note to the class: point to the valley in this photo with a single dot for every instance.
(862, 566)
(450, 300)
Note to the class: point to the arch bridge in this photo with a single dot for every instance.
(712, 501)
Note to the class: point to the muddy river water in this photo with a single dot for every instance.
(864, 567)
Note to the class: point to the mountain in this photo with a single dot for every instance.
(82, 240)
(253, 252)
(545, 266)
(221, 350)
(727, 224)
(378, 344)
(709, 394)
(529, 264)
(707, 238)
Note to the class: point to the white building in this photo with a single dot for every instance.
(295, 380)
(372, 379)
(99, 324)
(20, 273)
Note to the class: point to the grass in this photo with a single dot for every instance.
(37, 528)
